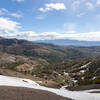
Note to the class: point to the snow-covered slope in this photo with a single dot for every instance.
(13, 81)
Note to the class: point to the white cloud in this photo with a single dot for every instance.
(83, 5)
(7, 25)
(98, 2)
(4, 11)
(16, 15)
(75, 4)
(41, 16)
(53, 6)
(80, 14)
(90, 5)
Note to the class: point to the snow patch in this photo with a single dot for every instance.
(82, 71)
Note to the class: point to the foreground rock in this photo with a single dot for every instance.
(19, 93)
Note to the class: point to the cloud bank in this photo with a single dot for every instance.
(11, 29)
(90, 36)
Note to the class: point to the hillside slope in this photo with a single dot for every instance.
(59, 65)
(49, 52)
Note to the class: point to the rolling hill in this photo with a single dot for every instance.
(48, 52)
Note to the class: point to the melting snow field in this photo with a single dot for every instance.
(20, 82)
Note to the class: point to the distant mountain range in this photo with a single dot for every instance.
(71, 42)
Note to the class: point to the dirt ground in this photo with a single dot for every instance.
(17, 93)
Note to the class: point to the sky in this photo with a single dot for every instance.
(50, 19)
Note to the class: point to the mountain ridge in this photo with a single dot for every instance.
(67, 42)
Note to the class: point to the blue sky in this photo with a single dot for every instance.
(50, 19)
